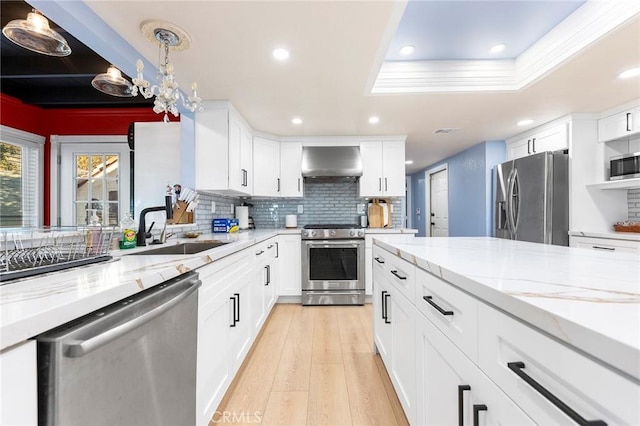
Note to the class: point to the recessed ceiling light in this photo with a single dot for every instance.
(281, 54)
(407, 50)
(373, 119)
(296, 120)
(408, 162)
(524, 122)
(497, 48)
(633, 72)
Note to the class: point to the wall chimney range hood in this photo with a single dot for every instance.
(331, 162)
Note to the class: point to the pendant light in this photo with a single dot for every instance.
(35, 34)
(113, 83)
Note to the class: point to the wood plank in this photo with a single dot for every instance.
(295, 363)
(353, 336)
(327, 348)
(398, 411)
(286, 408)
(369, 402)
(252, 384)
(328, 396)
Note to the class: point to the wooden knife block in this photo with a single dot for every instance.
(180, 214)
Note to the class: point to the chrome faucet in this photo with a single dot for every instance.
(141, 239)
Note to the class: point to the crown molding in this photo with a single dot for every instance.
(589, 23)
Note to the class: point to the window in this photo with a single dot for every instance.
(20, 178)
(96, 188)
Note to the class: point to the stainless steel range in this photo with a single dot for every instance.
(332, 265)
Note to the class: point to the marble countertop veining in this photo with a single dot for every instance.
(33, 305)
(587, 299)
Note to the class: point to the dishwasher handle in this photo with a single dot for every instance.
(80, 348)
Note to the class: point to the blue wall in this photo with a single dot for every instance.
(470, 190)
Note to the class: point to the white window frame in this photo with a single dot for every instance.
(34, 141)
(56, 141)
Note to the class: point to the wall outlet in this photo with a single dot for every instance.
(213, 207)
(361, 208)
(391, 208)
(300, 208)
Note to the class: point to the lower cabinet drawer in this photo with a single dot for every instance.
(527, 365)
(606, 244)
(452, 311)
(399, 272)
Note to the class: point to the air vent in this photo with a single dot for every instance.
(446, 130)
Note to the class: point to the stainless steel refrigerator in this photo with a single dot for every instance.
(532, 199)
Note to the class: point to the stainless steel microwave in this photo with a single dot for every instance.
(626, 166)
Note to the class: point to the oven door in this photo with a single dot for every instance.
(333, 265)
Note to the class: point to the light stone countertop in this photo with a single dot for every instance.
(629, 236)
(33, 305)
(590, 300)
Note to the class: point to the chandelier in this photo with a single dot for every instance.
(166, 92)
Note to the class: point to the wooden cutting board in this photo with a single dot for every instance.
(376, 215)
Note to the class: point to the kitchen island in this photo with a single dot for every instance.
(573, 315)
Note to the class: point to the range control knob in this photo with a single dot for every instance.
(360, 233)
(312, 233)
(332, 233)
(352, 233)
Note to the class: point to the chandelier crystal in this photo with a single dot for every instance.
(166, 92)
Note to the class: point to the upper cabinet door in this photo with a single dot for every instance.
(383, 169)
(371, 180)
(291, 183)
(246, 159)
(266, 167)
(619, 125)
(550, 139)
(393, 165)
(236, 175)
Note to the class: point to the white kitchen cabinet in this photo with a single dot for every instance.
(512, 354)
(271, 290)
(291, 183)
(401, 315)
(450, 386)
(394, 326)
(264, 282)
(383, 169)
(553, 138)
(266, 167)
(19, 385)
(223, 150)
(218, 357)
(290, 261)
(381, 325)
(368, 253)
(606, 244)
(241, 332)
(619, 125)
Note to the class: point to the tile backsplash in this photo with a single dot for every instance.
(633, 201)
(323, 202)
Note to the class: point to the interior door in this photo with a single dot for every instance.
(93, 176)
(439, 201)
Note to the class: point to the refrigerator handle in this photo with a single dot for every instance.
(509, 203)
(516, 199)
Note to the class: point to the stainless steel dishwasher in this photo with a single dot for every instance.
(130, 363)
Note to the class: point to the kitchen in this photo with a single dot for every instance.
(593, 219)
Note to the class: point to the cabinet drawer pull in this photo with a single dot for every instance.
(517, 368)
(386, 308)
(603, 248)
(237, 295)
(461, 390)
(529, 146)
(628, 122)
(270, 246)
(398, 275)
(429, 300)
(476, 413)
(382, 305)
(533, 145)
(258, 253)
(379, 260)
(277, 250)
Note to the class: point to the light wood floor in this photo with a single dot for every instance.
(313, 366)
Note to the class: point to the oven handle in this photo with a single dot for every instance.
(333, 243)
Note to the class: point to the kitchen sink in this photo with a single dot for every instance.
(183, 248)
